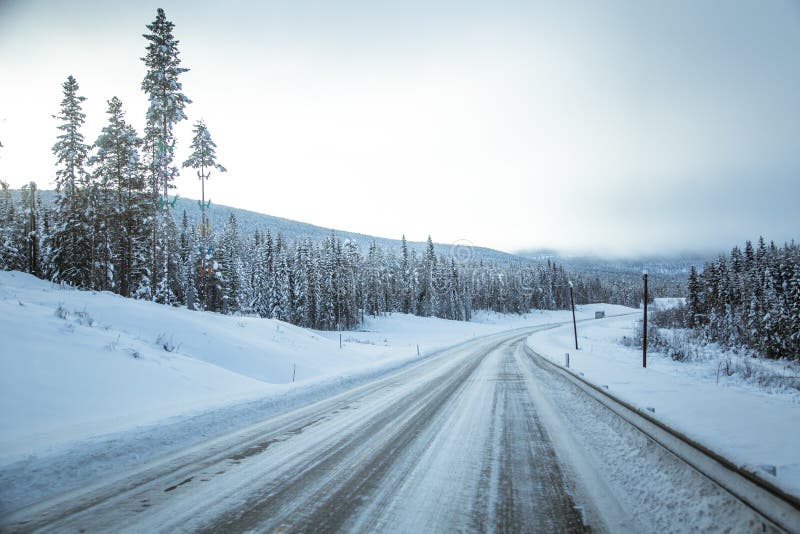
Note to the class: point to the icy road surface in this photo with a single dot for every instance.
(460, 442)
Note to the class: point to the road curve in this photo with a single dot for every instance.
(453, 443)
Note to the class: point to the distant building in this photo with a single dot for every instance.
(599, 314)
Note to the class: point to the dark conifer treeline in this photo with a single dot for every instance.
(324, 284)
(750, 298)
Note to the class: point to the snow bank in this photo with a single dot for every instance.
(748, 425)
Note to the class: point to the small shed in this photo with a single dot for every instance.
(599, 314)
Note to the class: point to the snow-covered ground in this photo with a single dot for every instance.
(92, 385)
(751, 426)
(76, 364)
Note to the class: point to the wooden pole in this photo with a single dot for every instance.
(574, 324)
(644, 326)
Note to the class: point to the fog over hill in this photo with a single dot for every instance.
(667, 265)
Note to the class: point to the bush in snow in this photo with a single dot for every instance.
(166, 342)
(61, 312)
(83, 318)
(667, 336)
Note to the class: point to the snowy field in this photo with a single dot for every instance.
(78, 364)
(751, 426)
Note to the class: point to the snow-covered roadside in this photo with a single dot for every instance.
(79, 364)
(93, 383)
(748, 425)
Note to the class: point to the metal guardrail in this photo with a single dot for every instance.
(775, 505)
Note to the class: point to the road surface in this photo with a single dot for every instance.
(451, 444)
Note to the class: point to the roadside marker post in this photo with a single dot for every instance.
(644, 324)
(574, 325)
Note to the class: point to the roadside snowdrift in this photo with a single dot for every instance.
(748, 425)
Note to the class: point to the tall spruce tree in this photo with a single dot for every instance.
(167, 103)
(72, 234)
(203, 159)
(31, 230)
(406, 285)
(10, 243)
(122, 205)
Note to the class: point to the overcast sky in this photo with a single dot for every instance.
(618, 127)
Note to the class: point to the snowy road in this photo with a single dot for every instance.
(478, 438)
(450, 444)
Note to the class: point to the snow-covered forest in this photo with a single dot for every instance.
(325, 284)
(110, 228)
(750, 299)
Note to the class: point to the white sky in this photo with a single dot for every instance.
(620, 127)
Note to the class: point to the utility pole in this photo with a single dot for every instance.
(574, 325)
(644, 325)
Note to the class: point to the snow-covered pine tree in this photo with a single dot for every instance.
(391, 282)
(122, 202)
(352, 286)
(284, 277)
(150, 145)
(349, 266)
(372, 278)
(265, 274)
(793, 296)
(10, 234)
(425, 299)
(185, 233)
(305, 294)
(329, 282)
(230, 255)
(167, 103)
(188, 246)
(44, 217)
(406, 286)
(189, 273)
(72, 235)
(203, 159)
(693, 302)
(276, 280)
(749, 299)
(29, 211)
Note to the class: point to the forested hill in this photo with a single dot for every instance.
(249, 221)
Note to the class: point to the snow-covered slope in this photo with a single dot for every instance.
(76, 364)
